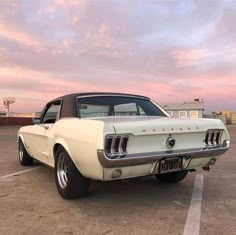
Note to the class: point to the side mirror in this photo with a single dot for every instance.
(36, 120)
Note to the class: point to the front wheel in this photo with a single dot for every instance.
(24, 158)
(69, 181)
(172, 177)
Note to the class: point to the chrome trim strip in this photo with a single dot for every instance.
(120, 144)
(113, 95)
(144, 158)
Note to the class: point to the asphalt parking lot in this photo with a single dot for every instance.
(30, 204)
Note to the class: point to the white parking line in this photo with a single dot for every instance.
(19, 173)
(192, 225)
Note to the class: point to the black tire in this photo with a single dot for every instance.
(172, 177)
(69, 181)
(24, 158)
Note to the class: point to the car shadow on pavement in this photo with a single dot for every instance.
(145, 191)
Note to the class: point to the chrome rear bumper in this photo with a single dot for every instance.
(144, 158)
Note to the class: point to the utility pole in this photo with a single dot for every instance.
(7, 101)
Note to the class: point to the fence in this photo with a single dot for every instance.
(15, 121)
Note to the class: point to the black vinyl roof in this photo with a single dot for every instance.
(69, 108)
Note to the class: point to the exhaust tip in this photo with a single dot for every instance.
(212, 161)
(206, 168)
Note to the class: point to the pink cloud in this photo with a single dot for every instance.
(169, 52)
(13, 33)
(70, 4)
(191, 57)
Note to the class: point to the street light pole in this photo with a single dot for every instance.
(7, 101)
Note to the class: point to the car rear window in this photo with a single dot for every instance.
(103, 106)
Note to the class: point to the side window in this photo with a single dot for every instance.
(52, 113)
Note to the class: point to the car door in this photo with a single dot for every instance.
(38, 144)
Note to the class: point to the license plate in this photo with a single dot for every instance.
(170, 164)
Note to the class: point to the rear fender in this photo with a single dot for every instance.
(22, 139)
(64, 144)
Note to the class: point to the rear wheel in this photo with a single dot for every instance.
(69, 181)
(172, 177)
(24, 158)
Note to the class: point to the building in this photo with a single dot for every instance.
(230, 117)
(2, 114)
(20, 115)
(192, 109)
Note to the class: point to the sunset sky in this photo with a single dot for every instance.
(169, 50)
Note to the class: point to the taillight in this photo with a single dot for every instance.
(213, 137)
(124, 144)
(116, 145)
(218, 137)
(108, 145)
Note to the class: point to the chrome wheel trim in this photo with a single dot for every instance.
(21, 151)
(62, 170)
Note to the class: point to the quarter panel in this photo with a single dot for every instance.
(81, 139)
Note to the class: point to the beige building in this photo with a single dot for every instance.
(233, 118)
(230, 116)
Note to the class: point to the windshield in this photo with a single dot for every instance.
(103, 106)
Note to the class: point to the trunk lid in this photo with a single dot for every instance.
(142, 125)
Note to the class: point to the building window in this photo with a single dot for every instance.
(182, 114)
(194, 114)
